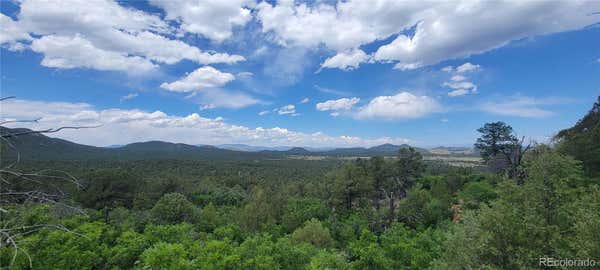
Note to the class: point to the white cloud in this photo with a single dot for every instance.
(338, 104)
(106, 36)
(346, 60)
(458, 78)
(209, 106)
(212, 19)
(335, 114)
(444, 120)
(287, 66)
(443, 30)
(77, 52)
(448, 69)
(467, 67)
(201, 78)
(128, 97)
(287, 109)
(459, 82)
(521, 106)
(220, 98)
(461, 85)
(304, 100)
(446, 29)
(11, 32)
(244, 74)
(126, 126)
(403, 105)
(205, 83)
(458, 92)
(263, 113)
(461, 88)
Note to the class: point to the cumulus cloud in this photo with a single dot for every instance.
(442, 30)
(205, 85)
(204, 77)
(77, 52)
(338, 104)
(461, 88)
(458, 82)
(106, 36)
(304, 100)
(126, 126)
(347, 60)
(403, 105)
(11, 32)
(287, 109)
(263, 113)
(521, 106)
(211, 19)
(467, 67)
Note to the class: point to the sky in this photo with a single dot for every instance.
(292, 73)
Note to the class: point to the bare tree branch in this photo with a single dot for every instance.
(50, 130)
(20, 121)
(5, 98)
(45, 188)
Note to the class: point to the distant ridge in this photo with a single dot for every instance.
(42, 147)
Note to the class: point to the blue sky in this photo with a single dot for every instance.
(357, 73)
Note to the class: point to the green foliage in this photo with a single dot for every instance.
(314, 233)
(165, 256)
(411, 249)
(350, 185)
(367, 254)
(586, 224)
(257, 252)
(582, 141)
(177, 233)
(257, 213)
(293, 255)
(129, 246)
(217, 255)
(299, 210)
(526, 221)
(83, 248)
(109, 188)
(420, 208)
(174, 208)
(475, 193)
(495, 139)
(325, 260)
(209, 218)
(221, 196)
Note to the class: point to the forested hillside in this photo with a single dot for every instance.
(227, 212)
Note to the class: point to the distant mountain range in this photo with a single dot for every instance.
(42, 147)
(250, 148)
